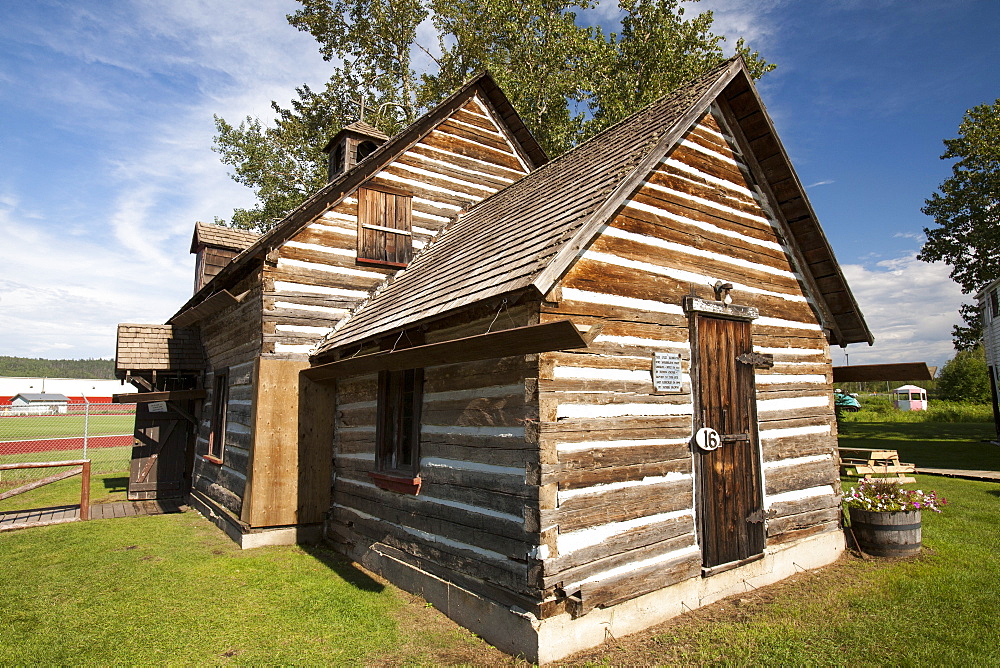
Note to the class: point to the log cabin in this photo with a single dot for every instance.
(221, 412)
(604, 395)
(593, 393)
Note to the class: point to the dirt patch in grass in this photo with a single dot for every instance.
(428, 637)
(682, 640)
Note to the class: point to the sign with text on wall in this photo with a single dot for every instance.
(667, 372)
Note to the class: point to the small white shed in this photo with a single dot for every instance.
(910, 398)
(42, 404)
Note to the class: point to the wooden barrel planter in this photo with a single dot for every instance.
(887, 534)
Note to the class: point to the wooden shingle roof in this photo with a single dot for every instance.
(206, 234)
(335, 191)
(159, 347)
(528, 235)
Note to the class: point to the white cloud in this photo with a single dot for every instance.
(825, 182)
(909, 305)
(141, 81)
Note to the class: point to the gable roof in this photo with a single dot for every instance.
(347, 182)
(206, 234)
(159, 347)
(31, 397)
(356, 128)
(527, 235)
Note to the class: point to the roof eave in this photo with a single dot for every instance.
(334, 192)
(564, 258)
(847, 323)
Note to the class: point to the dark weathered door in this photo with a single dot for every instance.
(161, 460)
(728, 477)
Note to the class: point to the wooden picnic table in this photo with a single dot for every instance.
(875, 463)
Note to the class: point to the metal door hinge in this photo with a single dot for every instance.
(756, 360)
(759, 515)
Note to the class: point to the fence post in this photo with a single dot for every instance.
(85, 492)
(86, 423)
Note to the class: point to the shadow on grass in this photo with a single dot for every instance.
(116, 484)
(343, 567)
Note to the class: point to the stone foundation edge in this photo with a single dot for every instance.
(248, 538)
(521, 634)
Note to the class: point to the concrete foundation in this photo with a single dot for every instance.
(247, 537)
(541, 641)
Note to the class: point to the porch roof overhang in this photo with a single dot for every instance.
(872, 372)
(558, 335)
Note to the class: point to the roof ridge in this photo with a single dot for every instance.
(612, 155)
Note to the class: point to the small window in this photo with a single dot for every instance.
(994, 304)
(220, 400)
(337, 160)
(384, 223)
(400, 394)
(365, 149)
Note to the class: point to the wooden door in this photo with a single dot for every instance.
(729, 497)
(162, 457)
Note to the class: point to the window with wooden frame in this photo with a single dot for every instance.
(397, 432)
(220, 400)
(384, 227)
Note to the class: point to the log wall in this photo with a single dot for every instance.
(231, 340)
(475, 519)
(210, 260)
(617, 514)
(315, 278)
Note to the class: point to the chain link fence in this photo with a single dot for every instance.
(100, 432)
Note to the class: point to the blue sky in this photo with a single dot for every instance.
(106, 131)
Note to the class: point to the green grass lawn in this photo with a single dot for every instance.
(951, 445)
(104, 488)
(940, 609)
(59, 426)
(173, 589)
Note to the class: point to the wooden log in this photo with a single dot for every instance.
(85, 491)
(41, 482)
(800, 476)
(607, 593)
(793, 523)
(612, 561)
(518, 341)
(790, 447)
(578, 478)
(799, 534)
(619, 505)
(509, 574)
(567, 567)
(147, 397)
(582, 460)
(478, 449)
(364, 546)
(623, 425)
(478, 529)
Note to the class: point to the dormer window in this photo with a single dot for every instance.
(384, 227)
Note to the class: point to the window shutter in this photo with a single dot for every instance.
(384, 227)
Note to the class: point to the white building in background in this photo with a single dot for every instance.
(989, 308)
(28, 403)
(74, 389)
